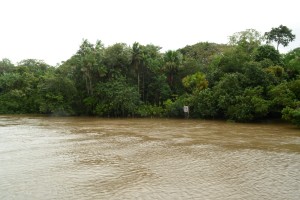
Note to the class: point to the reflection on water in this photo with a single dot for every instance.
(91, 158)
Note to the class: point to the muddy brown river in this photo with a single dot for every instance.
(93, 158)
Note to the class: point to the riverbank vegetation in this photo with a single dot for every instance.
(244, 80)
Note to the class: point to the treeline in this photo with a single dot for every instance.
(245, 80)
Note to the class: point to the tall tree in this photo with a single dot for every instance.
(86, 62)
(281, 35)
(247, 40)
(151, 68)
(172, 62)
(6, 66)
(137, 58)
(117, 59)
(89, 64)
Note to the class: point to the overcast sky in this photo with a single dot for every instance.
(52, 30)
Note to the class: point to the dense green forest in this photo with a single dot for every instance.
(244, 80)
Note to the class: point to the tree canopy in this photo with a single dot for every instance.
(244, 80)
(281, 35)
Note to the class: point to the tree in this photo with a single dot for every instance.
(117, 59)
(116, 98)
(292, 111)
(230, 86)
(136, 61)
(159, 89)
(281, 35)
(203, 53)
(249, 106)
(12, 98)
(205, 104)
(195, 82)
(247, 40)
(292, 62)
(173, 60)
(258, 76)
(233, 60)
(37, 67)
(18, 86)
(56, 94)
(6, 66)
(292, 115)
(294, 86)
(88, 60)
(265, 52)
(146, 63)
(281, 96)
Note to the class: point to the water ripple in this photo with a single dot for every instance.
(90, 158)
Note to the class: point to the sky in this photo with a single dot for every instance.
(52, 30)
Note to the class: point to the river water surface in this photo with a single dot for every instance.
(92, 158)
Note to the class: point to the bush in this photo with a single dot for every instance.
(205, 104)
(150, 111)
(292, 115)
(175, 108)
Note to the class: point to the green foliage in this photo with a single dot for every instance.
(281, 97)
(243, 81)
(150, 111)
(10, 81)
(18, 88)
(89, 65)
(172, 62)
(205, 104)
(56, 95)
(292, 115)
(281, 35)
(6, 66)
(12, 102)
(195, 82)
(294, 86)
(249, 106)
(247, 40)
(33, 66)
(202, 53)
(277, 72)
(146, 71)
(233, 61)
(292, 62)
(255, 75)
(118, 58)
(175, 108)
(267, 52)
(137, 60)
(241, 110)
(230, 85)
(158, 90)
(116, 98)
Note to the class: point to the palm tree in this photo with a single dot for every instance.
(137, 58)
(172, 62)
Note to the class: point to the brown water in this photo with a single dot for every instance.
(91, 158)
